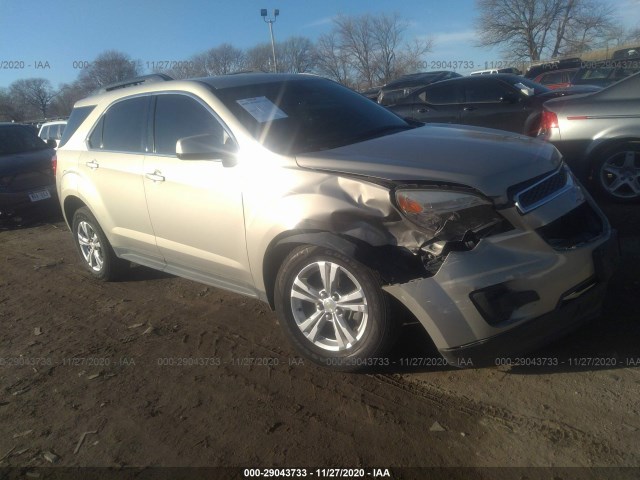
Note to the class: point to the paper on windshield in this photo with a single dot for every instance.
(262, 109)
(528, 91)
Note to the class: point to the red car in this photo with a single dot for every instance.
(555, 79)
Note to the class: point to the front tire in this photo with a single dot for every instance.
(333, 309)
(617, 174)
(95, 250)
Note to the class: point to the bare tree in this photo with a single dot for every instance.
(357, 42)
(295, 55)
(109, 67)
(36, 93)
(223, 59)
(68, 95)
(331, 60)
(260, 58)
(631, 36)
(7, 110)
(194, 67)
(372, 48)
(589, 29)
(534, 29)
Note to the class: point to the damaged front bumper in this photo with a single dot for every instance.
(517, 290)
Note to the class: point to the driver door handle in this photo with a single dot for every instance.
(469, 109)
(155, 176)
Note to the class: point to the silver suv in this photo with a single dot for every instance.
(304, 194)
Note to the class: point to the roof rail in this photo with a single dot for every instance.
(154, 77)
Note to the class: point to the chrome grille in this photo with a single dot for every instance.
(544, 190)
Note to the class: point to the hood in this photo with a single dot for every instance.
(488, 160)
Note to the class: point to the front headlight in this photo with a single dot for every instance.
(449, 215)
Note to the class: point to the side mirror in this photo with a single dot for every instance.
(52, 143)
(207, 147)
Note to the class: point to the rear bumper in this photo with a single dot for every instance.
(10, 201)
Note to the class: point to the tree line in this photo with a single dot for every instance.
(358, 51)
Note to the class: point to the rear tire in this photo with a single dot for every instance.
(95, 250)
(334, 310)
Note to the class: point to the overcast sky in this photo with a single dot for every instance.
(59, 35)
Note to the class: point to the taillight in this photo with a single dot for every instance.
(549, 120)
(54, 164)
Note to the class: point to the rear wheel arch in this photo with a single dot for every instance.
(70, 206)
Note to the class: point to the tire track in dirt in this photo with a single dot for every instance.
(554, 431)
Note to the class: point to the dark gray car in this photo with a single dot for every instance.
(599, 137)
(26, 168)
(503, 101)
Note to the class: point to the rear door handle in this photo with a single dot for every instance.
(155, 176)
(469, 109)
(92, 164)
(423, 110)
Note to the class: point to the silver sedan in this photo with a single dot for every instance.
(599, 137)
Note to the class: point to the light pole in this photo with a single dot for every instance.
(271, 21)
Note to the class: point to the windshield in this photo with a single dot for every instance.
(308, 115)
(19, 139)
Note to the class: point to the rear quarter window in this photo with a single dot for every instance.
(78, 116)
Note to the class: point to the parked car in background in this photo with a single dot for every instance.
(394, 91)
(302, 193)
(503, 101)
(606, 72)
(555, 79)
(626, 53)
(27, 168)
(599, 137)
(372, 93)
(52, 131)
(539, 68)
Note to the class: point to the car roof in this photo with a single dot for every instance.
(418, 77)
(481, 78)
(215, 83)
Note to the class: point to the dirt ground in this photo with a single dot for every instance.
(160, 371)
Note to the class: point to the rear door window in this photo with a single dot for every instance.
(446, 94)
(125, 124)
(486, 91)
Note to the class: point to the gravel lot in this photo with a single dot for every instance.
(160, 371)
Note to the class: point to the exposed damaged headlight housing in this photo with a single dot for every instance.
(447, 214)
